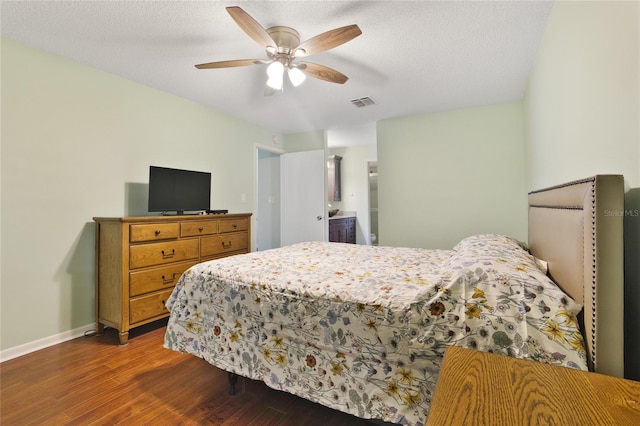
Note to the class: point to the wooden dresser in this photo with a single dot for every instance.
(140, 259)
(479, 388)
(342, 230)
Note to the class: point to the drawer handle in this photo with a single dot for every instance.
(201, 229)
(157, 232)
(235, 225)
(166, 280)
(226, 245)
(173, 252)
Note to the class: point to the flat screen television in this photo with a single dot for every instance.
(176, 190)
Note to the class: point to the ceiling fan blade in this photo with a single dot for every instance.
(251, 27)
(327, 40)
(230, 64)
(323, 72)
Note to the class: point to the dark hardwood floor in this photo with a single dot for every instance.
(94, 381)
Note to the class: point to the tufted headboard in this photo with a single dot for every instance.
(577, 228)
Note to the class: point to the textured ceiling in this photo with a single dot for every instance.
(412, 57)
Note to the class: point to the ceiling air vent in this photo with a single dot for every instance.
(363, 102)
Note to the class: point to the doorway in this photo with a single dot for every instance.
(267, 217)
(289, 197)
(372, 166)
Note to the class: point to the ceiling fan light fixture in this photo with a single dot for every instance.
(296, 76)
(282, 45)
(275, 83)
(275, 71)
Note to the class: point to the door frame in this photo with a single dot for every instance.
(256, 149)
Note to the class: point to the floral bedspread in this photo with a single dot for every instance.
(363, 329)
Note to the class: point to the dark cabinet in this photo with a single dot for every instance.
(333, 173)
(342, 230)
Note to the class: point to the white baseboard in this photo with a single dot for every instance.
(45, 342)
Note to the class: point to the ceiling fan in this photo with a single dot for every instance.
(283, 48)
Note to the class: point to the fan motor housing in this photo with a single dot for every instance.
(286, 38)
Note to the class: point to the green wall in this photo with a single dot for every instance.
(582, 117)
(445, 176)
(581, 106)
(77, 143)
(308, 141)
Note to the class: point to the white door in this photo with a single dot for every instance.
(303, 197)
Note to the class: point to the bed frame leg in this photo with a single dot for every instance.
(233, 379)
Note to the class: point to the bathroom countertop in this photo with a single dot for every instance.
(343, 215)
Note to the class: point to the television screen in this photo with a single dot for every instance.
(178, 190)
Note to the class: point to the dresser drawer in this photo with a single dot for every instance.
(223, 243)
(149, 306)
(149, 280)
(153, 232)
(228, 225)
(162, 253)
(192, 229)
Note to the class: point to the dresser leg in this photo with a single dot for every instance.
(233, 379)
(124, 337)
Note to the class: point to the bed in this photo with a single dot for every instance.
(363, 329)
